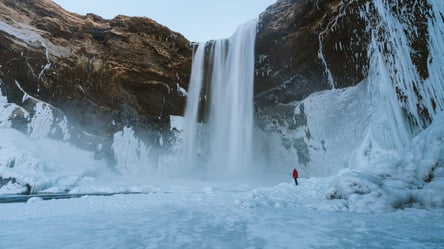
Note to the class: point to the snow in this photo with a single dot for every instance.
(181, 91)
(41, 122)
(23, 32)
(176, 122)
(46, 165)
(279, 216)
(415, 179)
(28, 36)
(130, 153)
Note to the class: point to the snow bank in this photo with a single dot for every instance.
(42, 165)
(39, 157)
(32, 162)
(415, 179)
(325, 127)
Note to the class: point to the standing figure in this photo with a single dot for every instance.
(295, 176)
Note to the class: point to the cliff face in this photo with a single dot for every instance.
(305, 46)
(103, 74)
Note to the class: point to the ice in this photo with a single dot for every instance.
(181, 91)
(44, 69)
(41, 122)
(43, 164)
(279, 216)
(34, 199)
(416, 179)
(131, 154)
(28, 36)
(176, 122)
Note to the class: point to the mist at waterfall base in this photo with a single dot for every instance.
(373, 180)
(223, 145)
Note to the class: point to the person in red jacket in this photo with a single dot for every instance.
(295, 176)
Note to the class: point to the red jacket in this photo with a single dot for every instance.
(295, 173)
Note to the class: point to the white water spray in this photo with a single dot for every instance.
(229, 79)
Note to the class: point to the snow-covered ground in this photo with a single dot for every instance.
(196, 214)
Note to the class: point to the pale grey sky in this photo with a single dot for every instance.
(197, 20)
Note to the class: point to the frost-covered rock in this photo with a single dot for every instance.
(29, 165)
(312, 45)
(394, 47)
(416, 179)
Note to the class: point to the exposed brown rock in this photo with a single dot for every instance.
(127, 69)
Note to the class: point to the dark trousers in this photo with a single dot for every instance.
(296, 181)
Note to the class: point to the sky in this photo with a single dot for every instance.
(197, 20)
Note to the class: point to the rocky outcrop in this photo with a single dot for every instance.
(305, 46)
(103, 74)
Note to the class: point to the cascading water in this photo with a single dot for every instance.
(192, 108)
(229, 79)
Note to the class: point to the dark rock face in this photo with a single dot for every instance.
(103, 74)
(304, 46)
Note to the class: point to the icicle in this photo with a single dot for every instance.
(131, 154)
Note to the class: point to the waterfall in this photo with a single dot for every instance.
(226, 68)
(192, 107)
